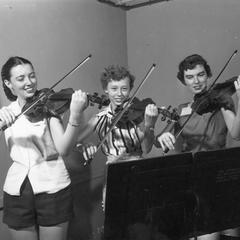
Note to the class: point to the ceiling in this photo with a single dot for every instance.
(130, 4)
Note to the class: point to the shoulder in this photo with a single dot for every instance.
(183, 105)
(184, 109)
(14, 107)
(104, 111)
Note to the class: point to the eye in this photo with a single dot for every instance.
(202, 74)
(32, 75)
(189, 76)
(20, 78)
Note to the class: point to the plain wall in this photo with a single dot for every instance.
(56, 35)
(166, 32)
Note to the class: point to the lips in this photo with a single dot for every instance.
(198, 88)
(120, 100)
(30, 90)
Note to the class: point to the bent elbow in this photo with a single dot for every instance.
(236, 137)
(64, 152)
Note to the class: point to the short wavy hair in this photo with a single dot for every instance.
(116, 73)
(191, 62)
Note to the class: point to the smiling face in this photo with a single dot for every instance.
(196, 79)
(22, 82)
(118, 91)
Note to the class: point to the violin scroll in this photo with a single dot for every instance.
(95, 99)
(172, 115)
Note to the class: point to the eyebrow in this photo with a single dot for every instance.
(20, 76)
(24, 74)
(196, 74)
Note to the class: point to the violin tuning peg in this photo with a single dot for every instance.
(95, 94)
(169, 107)
(103, 96)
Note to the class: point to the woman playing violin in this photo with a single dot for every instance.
(37, 195)
(208, 126)
(127, 140)
(206, 129)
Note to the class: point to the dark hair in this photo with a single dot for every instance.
(116, 73)
(6, 73)
(190, 62)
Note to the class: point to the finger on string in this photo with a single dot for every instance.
(85, 152)
(87, 162)
(92, 151)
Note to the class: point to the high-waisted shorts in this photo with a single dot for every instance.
(41, 209)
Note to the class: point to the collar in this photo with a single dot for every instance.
(107, 111)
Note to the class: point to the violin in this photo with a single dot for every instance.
(213, 98)
(123, 109)
(136, 110)
(55, 103)
(217, 97)
(36, 106)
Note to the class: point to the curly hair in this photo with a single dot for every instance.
(116, 73)
(6, 73)
(191, 62)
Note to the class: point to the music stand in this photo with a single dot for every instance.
(150, 197)
(217, 185)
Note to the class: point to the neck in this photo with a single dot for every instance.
(115, 108)
(21, 102)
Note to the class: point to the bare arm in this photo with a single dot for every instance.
(150, 118)
(65, 140)
(232, 120)
(87, 130)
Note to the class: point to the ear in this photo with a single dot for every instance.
(8, 84)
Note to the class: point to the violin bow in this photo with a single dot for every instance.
(120, 114)
(48, 92)
(224, 67)
(210, 88)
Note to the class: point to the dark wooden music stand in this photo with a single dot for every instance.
(150, 199)
(217, 185)
(173, 197)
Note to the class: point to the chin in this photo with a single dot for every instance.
(198, 91)
(29, 95)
